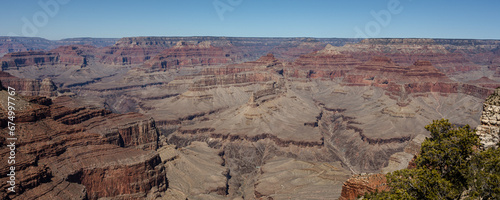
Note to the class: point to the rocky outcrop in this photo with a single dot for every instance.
(130, 130)
(489, 130)
(71, 156)
(108, 171)
(360, 184)
(259, 71)
(29, 87)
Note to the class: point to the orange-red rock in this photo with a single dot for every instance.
(360, 184)
(90, 152)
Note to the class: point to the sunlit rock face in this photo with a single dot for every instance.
(489, 130)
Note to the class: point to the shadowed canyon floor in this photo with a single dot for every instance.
(233, 118)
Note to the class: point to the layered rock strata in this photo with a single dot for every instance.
(29, 87)
(74, 55)
(62, 152)
(184, 54)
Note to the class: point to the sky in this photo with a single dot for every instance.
(58, 19)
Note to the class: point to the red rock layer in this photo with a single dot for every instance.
(128, 55)
(78, 55)
(184, 54)
(322, 64)
(75, 152)
(449, 56)
(380, 71)
(93, 167)
(22, 59)
(327, 58)
(74, 55)
(448, 63)
(29, 87)
(361, 184)
(262, 70)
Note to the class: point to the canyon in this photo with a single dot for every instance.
(233, 118)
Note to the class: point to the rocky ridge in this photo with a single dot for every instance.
(10, 44)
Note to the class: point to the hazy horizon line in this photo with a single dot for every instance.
(214, 36)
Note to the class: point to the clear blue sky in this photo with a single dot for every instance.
(252, 18)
